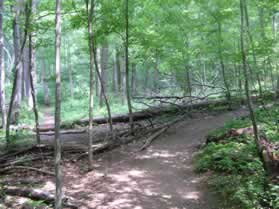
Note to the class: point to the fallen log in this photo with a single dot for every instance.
(71, 131)
(137, 116)
(152, 138)
(20, 181)
(7, 169)
(161, 130)
(230, 133)
(38, 195)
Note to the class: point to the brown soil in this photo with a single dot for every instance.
(161, 177)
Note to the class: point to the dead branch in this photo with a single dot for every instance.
(71, 131)
(152, 138)
(160, 131)
(8, 169)
(21, 181)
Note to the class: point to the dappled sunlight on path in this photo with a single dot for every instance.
(161, 177)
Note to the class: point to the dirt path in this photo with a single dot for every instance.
(161, 177)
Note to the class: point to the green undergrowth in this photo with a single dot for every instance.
(237, 172)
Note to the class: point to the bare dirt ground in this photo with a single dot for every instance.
(161, 177)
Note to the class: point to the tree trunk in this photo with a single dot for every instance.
(90, 11)
(156, 77)
(189, 83)
(18, 69)
(2, 69)
(26, 90)
(245, 71)
(98, 83)
(253, 48)
(32, 73)
(70, 73)
(104, 66)
(18, 58)
(226, 84)
(128, 93)
(93, 48)
(134, 79)
(44, 82)
(114, 76)
(118, 70)
(58, 169)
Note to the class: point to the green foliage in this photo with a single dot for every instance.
(240, 123)
(238, 172)
(232, 157)
(272, 195)
(35, 204)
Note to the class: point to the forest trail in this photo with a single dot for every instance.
(48, 118)
(162, 177)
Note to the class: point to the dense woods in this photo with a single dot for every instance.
(80, 78)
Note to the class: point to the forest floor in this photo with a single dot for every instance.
(160, 177)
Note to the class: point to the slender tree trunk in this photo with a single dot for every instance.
(70, 73)
(118, 69)
(90, 11)
(226, 84)
(104, 66)
(114, 76)
(134, 79)
(26, 90)
(31, 75)
(253, 48)
(98, 83)
(245, 71)
(44, 82)
(156, 77)
(128, 93)
(2, 69)
(189, 83)
(18, 68)
(18, 59)
(58, 169)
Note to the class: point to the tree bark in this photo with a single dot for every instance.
(70, 73)
(127, 82)
(2, 69)
(253, 48)
(134, 79)
(118, 70)
(18, 57)
(32, 70)
(104, 66)
(114, 76)
(58, 169)
(44, 82)
(245, 71)
(18, 69)
(90, 13)
(226, 84)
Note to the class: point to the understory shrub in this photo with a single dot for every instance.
(237, 172)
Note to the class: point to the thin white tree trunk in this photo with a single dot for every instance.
(2, 69)
(58, 170)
